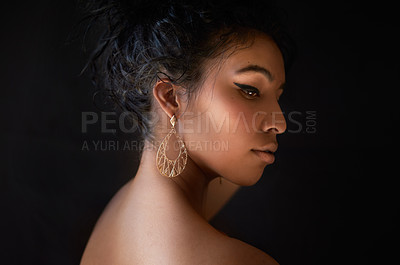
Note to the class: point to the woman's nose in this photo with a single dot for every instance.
(274, 121)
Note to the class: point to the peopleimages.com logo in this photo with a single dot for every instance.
(200, 123)
(126, 122)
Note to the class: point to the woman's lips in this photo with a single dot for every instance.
(267, 157)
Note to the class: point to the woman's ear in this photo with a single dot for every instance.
(165, 94)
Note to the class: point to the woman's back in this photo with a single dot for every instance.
(149, 226)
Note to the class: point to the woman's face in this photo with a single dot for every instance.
(236, 112)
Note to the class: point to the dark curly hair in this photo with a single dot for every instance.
(143, 41)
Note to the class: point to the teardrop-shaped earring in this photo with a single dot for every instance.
(167, 167)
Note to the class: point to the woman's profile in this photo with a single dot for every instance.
(202, 80)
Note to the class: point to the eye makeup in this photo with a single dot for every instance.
(250, 91)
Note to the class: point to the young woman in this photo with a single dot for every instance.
(202, 81)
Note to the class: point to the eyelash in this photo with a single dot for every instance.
(249, 89)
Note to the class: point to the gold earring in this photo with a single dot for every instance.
(171, 168)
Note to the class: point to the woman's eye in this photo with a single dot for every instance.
(249, 91)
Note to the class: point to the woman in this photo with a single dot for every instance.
(203, 82)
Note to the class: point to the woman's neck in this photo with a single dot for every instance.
(192, 183)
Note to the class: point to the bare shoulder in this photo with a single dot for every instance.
(135, 233)
(208, 246)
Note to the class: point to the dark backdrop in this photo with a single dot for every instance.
(330, 198)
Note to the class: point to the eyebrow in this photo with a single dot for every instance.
(258, 69)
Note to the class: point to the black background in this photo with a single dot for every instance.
(330, 197)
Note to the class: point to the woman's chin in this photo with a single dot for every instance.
(247, 180)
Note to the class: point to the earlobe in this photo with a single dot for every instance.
(165, 94)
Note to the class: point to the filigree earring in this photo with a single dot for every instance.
(167, 167)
